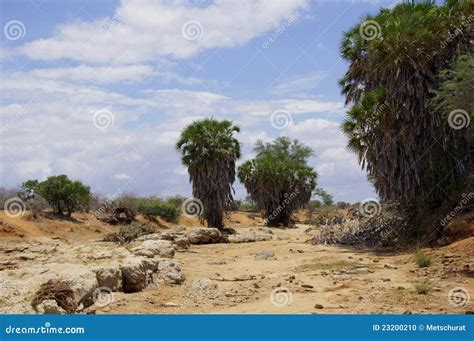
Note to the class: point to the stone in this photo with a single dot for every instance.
(182, 243)
(202, 286)
(134, 275)
(318, 306)
(217, 262)
(151, 248)
(264, 254)
(206, 235)
(110, 278)
(151, 236)
(249, 238)
(50, 307)
(169, 270)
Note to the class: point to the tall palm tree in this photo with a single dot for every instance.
(407, 148)
(209, 150)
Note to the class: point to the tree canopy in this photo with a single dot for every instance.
(407, 146)
(279, 179)
(209, 150)
(61, 193)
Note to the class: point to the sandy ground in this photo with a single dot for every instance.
(284, 275)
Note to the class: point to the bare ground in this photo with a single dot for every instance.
(283, 275)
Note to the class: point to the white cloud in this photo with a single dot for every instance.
(100, 75)
(298, 85)
(122, 176)
(143, 30)
(47, 128)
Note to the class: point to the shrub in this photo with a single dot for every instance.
(422, 260)
(423, 287)
(129, 233)
(62, 194)
(156, 207)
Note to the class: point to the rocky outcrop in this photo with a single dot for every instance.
(206, 235)
(151, 248)
(134, 275)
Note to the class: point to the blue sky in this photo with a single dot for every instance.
(100, 90)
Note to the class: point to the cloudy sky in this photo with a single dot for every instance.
(99, 90)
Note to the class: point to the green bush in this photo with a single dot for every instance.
(422, 260)
(157, 207)
(62, 194)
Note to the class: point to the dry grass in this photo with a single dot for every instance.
(422, 260)
(318, 265)
(423, 287)
(57, 290)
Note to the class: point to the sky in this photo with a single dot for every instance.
(100, 90)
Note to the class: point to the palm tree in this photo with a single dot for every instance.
(406, 147)
(209, 150)
(279, 179)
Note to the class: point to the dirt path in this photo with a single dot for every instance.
(288, 276)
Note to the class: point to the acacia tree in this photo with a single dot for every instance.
(279, 179)
(209, 150)
(62, 194)
(408, 148)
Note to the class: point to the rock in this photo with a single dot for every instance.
(134, 275)
(169, 270)
(359, 271)
(265, 254)
(206, 235)
(110, 278)
(151, 248)
(83, 283)
(182, 243)
(202, 286)
(217, 262)
(318, 306)
(170, 305)
(151, 236)
(249, 238)
(50, 307)
(307, 286)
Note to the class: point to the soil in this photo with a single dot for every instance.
(284, 275)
